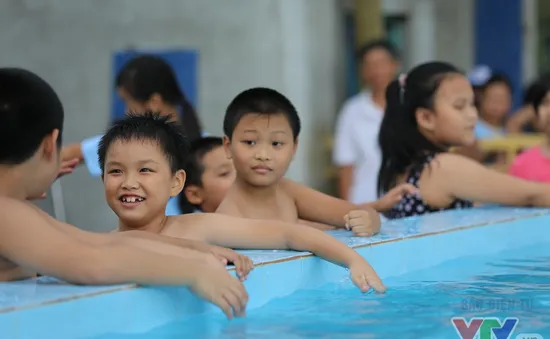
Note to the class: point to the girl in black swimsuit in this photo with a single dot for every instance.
(428, 111)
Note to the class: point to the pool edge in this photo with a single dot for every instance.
(278, 261)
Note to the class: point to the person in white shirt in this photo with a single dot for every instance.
(356, 151)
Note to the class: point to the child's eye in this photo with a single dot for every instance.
(146, 170)
(114, 171)
(224, 174)
(277, 144)
(249, 142)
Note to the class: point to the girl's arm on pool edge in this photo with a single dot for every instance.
(475, 182)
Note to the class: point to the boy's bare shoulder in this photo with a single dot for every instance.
(229, 207)
(229, 204)
(189, 226)
(10, 207)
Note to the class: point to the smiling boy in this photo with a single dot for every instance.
(142, 162)
(31, 124)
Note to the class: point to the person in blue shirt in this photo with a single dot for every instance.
(145, 83)
(494, 107)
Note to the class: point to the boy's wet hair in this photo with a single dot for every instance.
(260, 101)
(194, 168)
(29, 111)
(148, 126)
(401, 142)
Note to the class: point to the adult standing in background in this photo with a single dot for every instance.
(356, 151)
(145, 83)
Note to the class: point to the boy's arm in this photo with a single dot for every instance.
(29, 240)
(319, 207)
(224, 230)
(148, 241)
(241, 233)
(16, 273)
(317, 225)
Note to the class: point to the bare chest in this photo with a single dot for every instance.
(282, 208)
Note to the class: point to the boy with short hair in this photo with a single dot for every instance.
(261, 129)
(139, 159)
(31, 122)
(210, 173)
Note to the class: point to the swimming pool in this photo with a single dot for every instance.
(419, 304)
(484, 262)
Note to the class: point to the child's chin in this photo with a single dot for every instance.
(130, 216)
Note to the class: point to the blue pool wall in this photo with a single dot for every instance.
(48, 308)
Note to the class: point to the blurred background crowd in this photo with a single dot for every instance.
(332, 58)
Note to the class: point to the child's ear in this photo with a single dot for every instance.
(178, 182)
(193, 194)
(226, 145)
(295, 146)
(425, 119)
(49, 144)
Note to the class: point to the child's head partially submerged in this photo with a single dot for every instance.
(142, 160)
(261, 129)
(31, 122)
(210, 173)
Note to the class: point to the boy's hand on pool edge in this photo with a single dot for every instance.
(364, 277)
(243, 264)
(213, 283)
(360, 223)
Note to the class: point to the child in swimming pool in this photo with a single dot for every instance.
(430, 110)
(31, 122)
(210, 173)
(534, 163)
(146, 82)
(142, 162)
(261, 129)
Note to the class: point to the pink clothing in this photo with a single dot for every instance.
(531, 165)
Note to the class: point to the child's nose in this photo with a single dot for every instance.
(130, 182)
(262, 154)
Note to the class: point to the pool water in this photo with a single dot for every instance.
(417, 305)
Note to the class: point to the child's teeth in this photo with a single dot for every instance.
(132, 199)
